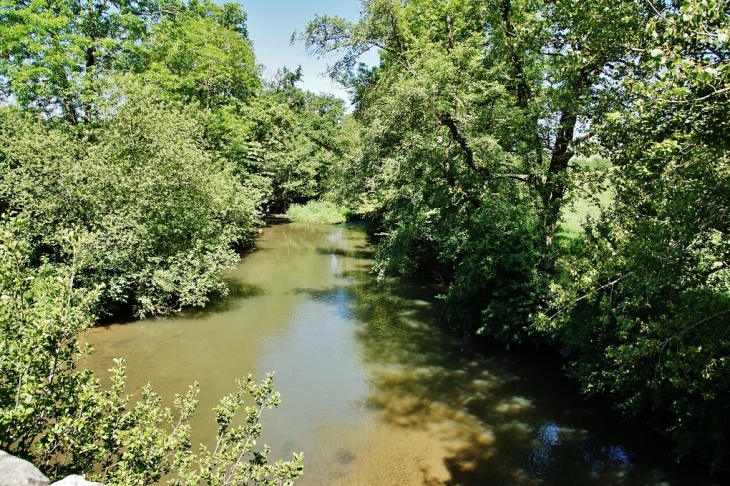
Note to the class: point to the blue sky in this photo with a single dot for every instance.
(270, 26)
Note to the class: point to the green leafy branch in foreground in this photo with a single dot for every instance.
(60, 418)
(234, 461)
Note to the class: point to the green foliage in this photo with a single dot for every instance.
(465, 149)
(138, 144)
(53, 53)
(319, 212)
(57, 55)
(278, 137)
(462, 148)
(234, 460)
(294, 137)
(645, 300)
(40, 316)
(62, 420)
(593, 193)
(160, 215)
(197, 59)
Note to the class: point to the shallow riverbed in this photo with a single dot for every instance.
(374, 390)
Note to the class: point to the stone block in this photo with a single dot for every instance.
(18, 472)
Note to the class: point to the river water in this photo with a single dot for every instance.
(375, 391)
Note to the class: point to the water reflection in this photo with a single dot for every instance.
(238, 292)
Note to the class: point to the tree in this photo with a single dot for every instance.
(160, 214)
(56, 56)
(646, 303)
(53, 53)
(195, 58)
(469, 126)
(295, 136)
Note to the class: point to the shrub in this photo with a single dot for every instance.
(161, 216)
(319, 212)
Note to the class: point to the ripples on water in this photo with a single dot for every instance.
(375, 390)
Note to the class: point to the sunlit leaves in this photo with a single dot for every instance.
(197, 59)
(161, 216)
(647, 308)
(52, 53)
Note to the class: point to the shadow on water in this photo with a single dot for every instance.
(238, 292)
(276, 220)
(499, 419)
(361, 252)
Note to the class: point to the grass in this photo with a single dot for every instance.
(583, 207)
(318, 212)
(576, 214)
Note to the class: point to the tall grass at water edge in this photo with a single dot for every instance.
(319, 212)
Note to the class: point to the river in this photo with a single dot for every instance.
(375, 391)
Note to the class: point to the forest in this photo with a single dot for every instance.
(141, 147)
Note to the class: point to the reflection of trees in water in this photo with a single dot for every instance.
(238, 292)
(306, 236)
(292, 246)
(489, 423)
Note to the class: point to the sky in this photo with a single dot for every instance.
(271, 24)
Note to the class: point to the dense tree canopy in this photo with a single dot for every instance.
(650, 298)
(53, 53)
(160, 214)
(470, 122)
(149, 127)
(197, 59)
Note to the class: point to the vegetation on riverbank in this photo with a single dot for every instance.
(319, 212)
(139, 145)
(155, 135)
(61, 418)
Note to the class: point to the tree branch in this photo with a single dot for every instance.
(446, 120)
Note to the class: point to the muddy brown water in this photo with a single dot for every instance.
(375, 390)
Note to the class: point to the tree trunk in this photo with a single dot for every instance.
(561, 155)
